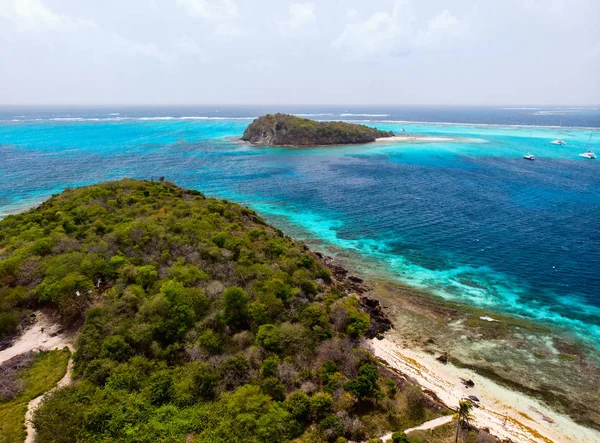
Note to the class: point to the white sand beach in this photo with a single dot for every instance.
(506, 413)
(414, 138)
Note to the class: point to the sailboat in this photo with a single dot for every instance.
(529, 156)
(589, 154)
(559, 141)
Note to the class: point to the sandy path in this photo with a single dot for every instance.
(33, 404)
(440, 421)
(507, 414)
(42, 336)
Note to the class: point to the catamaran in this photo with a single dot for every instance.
(589, 154)
(559, 141)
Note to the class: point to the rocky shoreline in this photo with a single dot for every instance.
(289, 130)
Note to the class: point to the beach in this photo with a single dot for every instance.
(414, 138)
(507, 414)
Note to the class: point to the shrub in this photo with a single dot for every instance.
(269, 337)
(321, 404)
(273, 387)
(298, 405)
(235, 301)
(400, 437)
(210, 342)
(269, 367)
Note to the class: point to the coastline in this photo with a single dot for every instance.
(505, 413)
(516, 354)
(540, 361)
(414, 138)
(425, 325)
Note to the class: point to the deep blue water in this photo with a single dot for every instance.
(467, 219)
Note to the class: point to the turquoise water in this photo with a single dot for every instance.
(466, 219)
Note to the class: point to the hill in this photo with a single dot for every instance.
(200, 322)
(289, 130)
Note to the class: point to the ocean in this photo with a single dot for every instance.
(468, 220)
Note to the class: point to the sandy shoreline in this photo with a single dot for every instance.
(507, 414)
(415, 138)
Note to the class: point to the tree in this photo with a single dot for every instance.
(321, 405)
(235, 302)
(463, 415)
(269, 337)
(400, 437)
(298, 405)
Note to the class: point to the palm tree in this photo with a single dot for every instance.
(463, 415)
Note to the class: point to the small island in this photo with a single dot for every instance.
(289, 130)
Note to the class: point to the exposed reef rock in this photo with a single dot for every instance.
(380, 323)
(288, 130)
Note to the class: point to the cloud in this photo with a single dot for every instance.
(395, 32)
(301, 16)
(33, 15)
(441, 26)
(216, 11)
(223, 13)
(188, 47)
(49, 27)
(352, 13)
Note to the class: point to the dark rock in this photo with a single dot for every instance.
(429, 341)
(56, 332)
(472, 397)
(468, 383)
(338, 271)
(380, 323)
(443, 358)
(354, 279)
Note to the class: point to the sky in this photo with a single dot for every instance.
(376, 52)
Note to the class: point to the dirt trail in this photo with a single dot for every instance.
(43, 335)
(33, 404)
(440, 421)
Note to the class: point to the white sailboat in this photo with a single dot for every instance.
(589, 153)
(529, 156)
(559, 141)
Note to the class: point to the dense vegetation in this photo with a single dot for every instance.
(23, 378)
(201, 323)
(289, 130)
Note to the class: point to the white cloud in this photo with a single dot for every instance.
(228, 29)
(301, 16)
(223, 13)
(441, 26)
(34, 15)
(395, 32)
(188, 47)
(216, 11)
(352, 13)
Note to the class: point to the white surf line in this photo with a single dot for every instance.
(33, 404)
(431, 424)
(506, 413)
